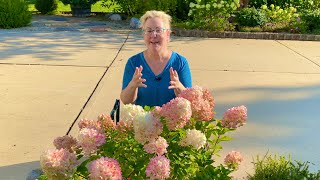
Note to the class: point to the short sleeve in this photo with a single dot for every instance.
(128, 73)
(185, 74)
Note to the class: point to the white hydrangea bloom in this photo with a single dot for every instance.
(130, 111)
(195, 138)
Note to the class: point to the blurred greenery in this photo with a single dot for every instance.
(66, 8)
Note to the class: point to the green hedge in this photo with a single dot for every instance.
(14, 13)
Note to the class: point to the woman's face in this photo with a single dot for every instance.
(156, 35)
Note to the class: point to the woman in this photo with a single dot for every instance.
(157, 75)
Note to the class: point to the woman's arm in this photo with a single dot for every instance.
(181, 80)
(130, 93)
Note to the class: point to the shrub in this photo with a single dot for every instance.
(14, 13)
(251, 17)
(312, 19)
(82, 3)
(275, 168)
(182, 9)
(299, 4)
(131, 8)
(213, 14)
(179, 140)
(46, 6)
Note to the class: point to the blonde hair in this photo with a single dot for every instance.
(166, 19)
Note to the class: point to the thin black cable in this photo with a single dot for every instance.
(105, 72)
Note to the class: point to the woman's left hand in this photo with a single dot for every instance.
(175, 83)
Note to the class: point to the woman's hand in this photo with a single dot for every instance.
(137, 80)
(130, 93)
(175, 84)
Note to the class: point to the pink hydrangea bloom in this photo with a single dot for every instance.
(202, 102)
(66, 142)
(233, 159)
(124, 127)
(177, 112)
(89, 140)
(58, 164)
(157, 146)
(105, 168)
(234, 117)
(106, 121)
(194, 138)
(91, 124)
(158, 168)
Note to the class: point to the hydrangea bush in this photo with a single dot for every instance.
(180, 140)
(213, 14)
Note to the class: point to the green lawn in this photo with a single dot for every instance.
(61, 7)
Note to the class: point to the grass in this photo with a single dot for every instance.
(281, 168)
(66, 8)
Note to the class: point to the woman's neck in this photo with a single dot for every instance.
(158, 56)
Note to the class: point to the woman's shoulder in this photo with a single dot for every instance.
(136, 59)
(178, 57)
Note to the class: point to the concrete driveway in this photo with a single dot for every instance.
(50, 79)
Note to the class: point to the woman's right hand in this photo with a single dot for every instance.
(137, 80)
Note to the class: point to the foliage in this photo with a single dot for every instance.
(275, 168)
(213, 14)
(250, 29)
(282, 20)
(312, 20)
(46, 6)
(251, 17)
(97, 7)
(299, 4)
(182, 132)
(182, 9)
(178, 9)
(14, 13)
(131, 8)
(82, 3)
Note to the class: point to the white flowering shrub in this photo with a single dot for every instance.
(213, 14)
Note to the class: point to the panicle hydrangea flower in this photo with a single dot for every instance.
(89, 140)
(139, 126)
(233, 159)
(154, 126)
(147, 126)
(58, 164)
(158, 146)
(130, 111)
(234, 117)
(124, 127)
(106, 121)
(202, 102)
(105, 168)
(66, 142)
(194, 138)
(158, 168)
(91, 124)
(177, 113)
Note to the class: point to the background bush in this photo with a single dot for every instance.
(14, 13)
(46, 6)
(312, 19)
(251, 17)
(281, 168)
(300, 4)
(182, 9)
(178, 9)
